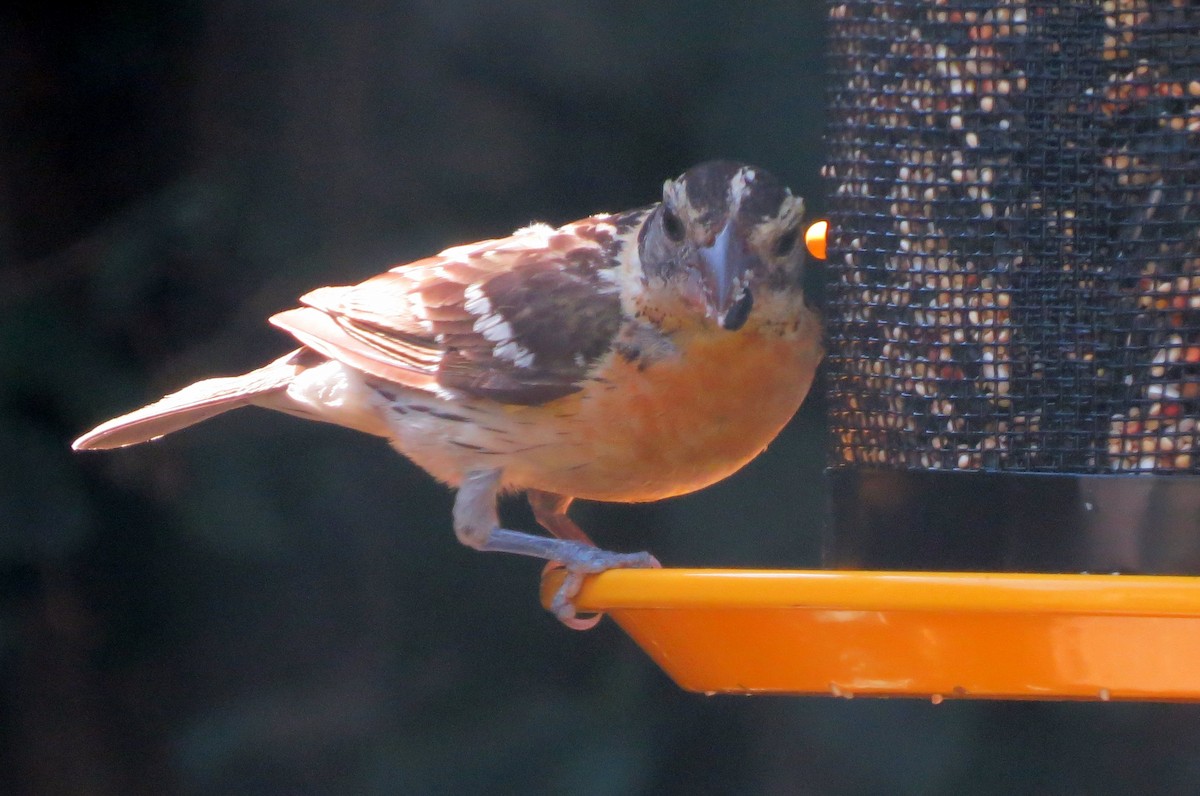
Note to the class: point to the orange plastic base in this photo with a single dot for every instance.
(929, 634)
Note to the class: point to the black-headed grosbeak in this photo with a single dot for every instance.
(625, 357)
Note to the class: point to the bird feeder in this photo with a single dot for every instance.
(1013, 374)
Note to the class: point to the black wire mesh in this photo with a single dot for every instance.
(1015, 237)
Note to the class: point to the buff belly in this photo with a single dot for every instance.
(641, 434)
(671, 428)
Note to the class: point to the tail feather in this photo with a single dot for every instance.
(193, 404)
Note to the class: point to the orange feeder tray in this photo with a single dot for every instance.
(916, 634)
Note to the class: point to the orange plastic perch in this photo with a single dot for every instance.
(931, 634)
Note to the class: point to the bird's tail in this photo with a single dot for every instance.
(200, 401)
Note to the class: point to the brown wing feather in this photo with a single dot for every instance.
(323, 333)
(519, 320)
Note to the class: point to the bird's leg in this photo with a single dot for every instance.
(550, 510)
(477, 525)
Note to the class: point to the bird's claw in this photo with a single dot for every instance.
(589, 562)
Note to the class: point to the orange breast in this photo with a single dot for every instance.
(677, 425)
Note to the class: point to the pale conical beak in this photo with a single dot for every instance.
(725, 266)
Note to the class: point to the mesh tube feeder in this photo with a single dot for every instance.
(1015, 302)
(1013, 373)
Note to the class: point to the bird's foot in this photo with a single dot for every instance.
(588, 561)
(579, 559)
(476, 524)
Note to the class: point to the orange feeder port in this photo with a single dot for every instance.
(815, 237)
(924, 634)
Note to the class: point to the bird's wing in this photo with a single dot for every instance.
(518, 320)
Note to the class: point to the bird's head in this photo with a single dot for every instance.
(723, 232)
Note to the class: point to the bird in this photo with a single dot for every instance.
(625, 357)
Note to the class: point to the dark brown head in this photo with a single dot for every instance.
(723, 232)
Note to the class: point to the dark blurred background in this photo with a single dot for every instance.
(262, 605)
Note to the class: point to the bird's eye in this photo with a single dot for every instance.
(786, 242)
(672, 226)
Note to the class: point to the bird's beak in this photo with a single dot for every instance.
(725, 267)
